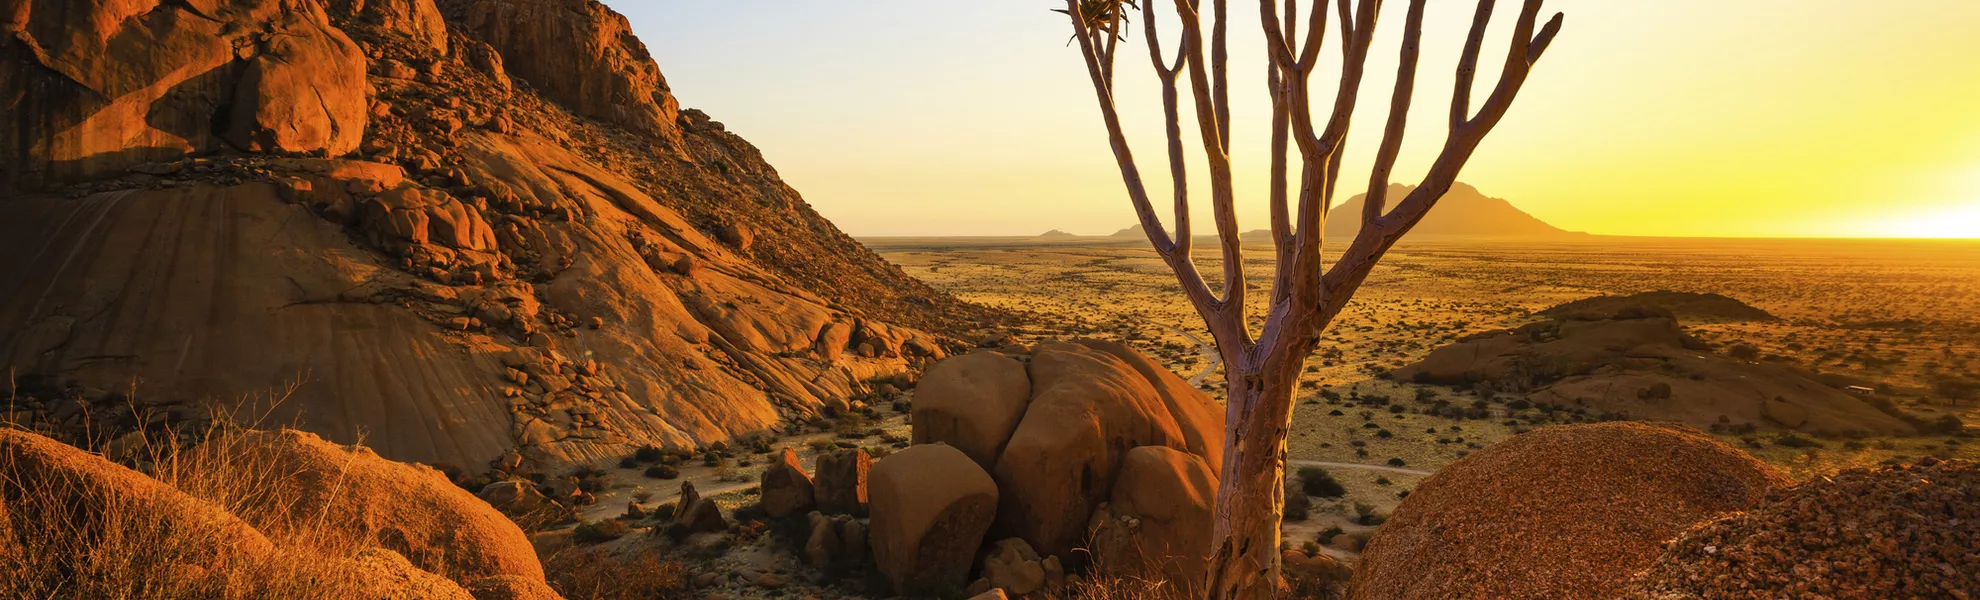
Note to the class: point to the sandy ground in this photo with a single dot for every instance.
(1905, 314)
(1902, 313)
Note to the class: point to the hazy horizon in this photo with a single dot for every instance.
(1676, 119)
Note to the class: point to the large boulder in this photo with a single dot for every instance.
(787, 489)
(193, 547)
(411, 509)
(1559, 512)
(303, 92)
(583, 55)
(1156, 525)
(931, 507)
(96, 87)
(972, 402)
(842, 482)
(108, 503)
(1088, 407)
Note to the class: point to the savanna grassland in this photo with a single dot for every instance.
(1899, 316)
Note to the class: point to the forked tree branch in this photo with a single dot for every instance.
(1378, 235)
(1304, 296)
(1098, 56)
(1392, 134)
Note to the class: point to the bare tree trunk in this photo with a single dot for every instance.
(1263, 372)
(1251, 487)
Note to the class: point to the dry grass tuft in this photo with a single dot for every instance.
(600, 574)
(114, 534)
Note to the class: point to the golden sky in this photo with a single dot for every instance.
(1744, 118)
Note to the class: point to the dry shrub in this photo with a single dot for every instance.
(144, 546)
(601, 574)
(1111, 587)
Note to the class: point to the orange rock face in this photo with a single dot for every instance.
(580, 54)
(472, 228)
(93, 89)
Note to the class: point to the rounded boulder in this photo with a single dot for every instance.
(1559, 512)
(972, 402)
(931, 507)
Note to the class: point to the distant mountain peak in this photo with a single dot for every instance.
(1056, 234)
(1462, 211)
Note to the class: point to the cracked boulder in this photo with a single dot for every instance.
(931, 507)
(303, 92)
(1059, 451)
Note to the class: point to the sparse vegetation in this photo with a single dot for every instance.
(1315, 481)
(591, 574)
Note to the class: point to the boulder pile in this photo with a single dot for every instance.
(1904, 531)
(1096, 456)
(1558, 512)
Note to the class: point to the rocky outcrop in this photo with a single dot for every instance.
(1688, 307)
(931, 507)
(972, 402)
(1636, 361)
(1083, 439)
(582, 55)
(1156, 524)
(787, 490)
(1088, 408)
(92, 90)
(411, 509)
(416, 21)
(487, 271)
(1559, 512)
(304, 91)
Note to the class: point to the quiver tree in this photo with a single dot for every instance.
(1262, 371)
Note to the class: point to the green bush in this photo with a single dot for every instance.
(662, 472)
(1790, 440)
(649, 454)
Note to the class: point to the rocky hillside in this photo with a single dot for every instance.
(453, 228)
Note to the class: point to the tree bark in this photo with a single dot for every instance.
(1251, 485)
